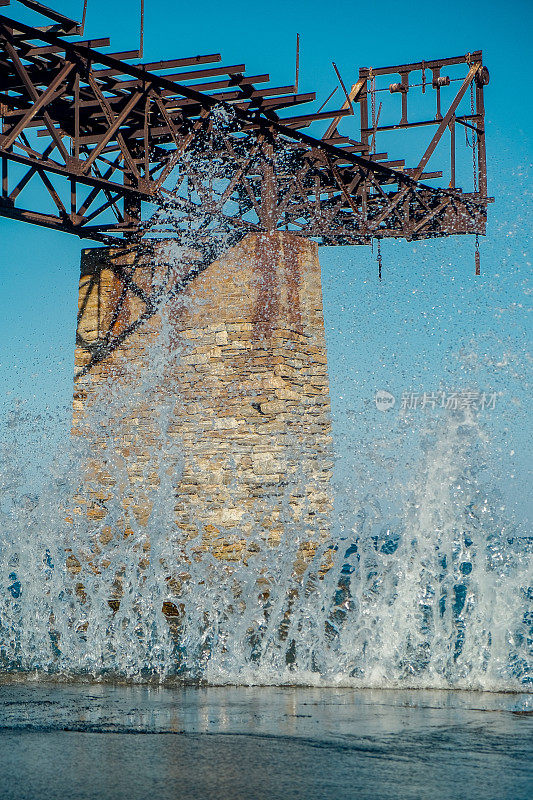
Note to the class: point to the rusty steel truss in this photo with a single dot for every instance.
(117, 145)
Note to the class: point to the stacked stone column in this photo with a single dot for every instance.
(245, 374)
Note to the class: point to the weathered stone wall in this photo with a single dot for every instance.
(242, 361)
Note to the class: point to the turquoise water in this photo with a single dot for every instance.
(94, 741)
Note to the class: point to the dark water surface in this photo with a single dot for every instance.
(92, 741)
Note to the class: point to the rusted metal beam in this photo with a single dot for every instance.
(68, 25)
(33, 93)
(352, 98)
(39, 102)
(54, 48)
(418, 65)
(308, 118)
(176, 77)
(112, 130)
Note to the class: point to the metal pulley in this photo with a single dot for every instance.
(482, 77)
(440, 81)
(394, 88)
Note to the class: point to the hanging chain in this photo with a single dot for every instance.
(477, 257)
(380, 263)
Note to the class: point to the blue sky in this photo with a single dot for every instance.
(430, 323)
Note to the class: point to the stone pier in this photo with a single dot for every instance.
(239, 358)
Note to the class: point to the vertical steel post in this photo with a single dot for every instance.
(5, 191)
(481, 149)
(452, 152)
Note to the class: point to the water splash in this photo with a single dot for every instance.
(437, 595)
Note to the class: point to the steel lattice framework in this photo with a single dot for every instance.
(111, 142)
